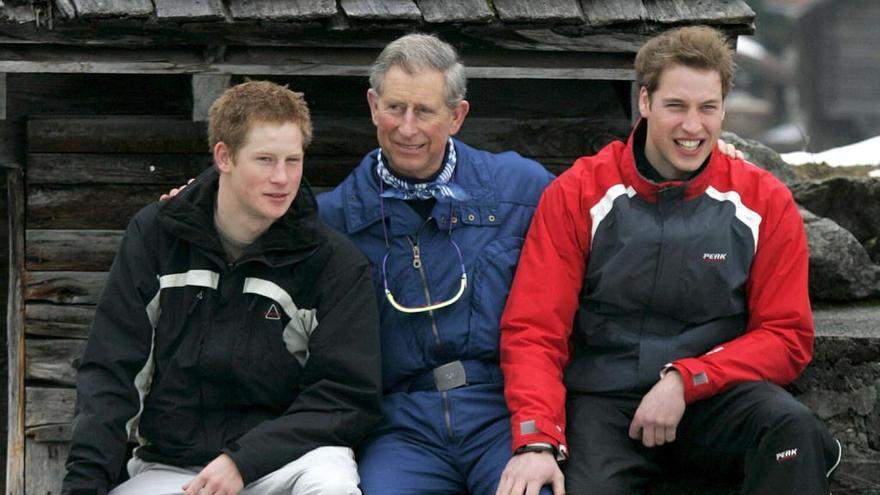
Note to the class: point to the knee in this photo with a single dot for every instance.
(794, 419)
(326, 482)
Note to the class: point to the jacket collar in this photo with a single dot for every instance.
(648, 189)
(361, 190)
(190, 216)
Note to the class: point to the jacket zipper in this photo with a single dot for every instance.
(417, 264)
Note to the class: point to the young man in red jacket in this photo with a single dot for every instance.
(660, 302)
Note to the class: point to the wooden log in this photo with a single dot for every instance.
(54, 320)
(54, 360)
(281, 11)
(15, 451)
(45, 466)
(527, 11)
(72, 250)
(113, 8)
(64, 287)
(88, 207)
(49, 406)
(116, 135)
(380, 10)
(114, 168)
(192, 10)
(455, 11)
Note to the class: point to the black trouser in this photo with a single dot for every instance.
(756, 429)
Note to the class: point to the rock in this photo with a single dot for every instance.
(840, 268)
(762, 156)
(854, 203)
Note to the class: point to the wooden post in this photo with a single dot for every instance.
(15, 335)
(206, 88)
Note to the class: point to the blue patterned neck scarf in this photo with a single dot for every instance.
(440, 188)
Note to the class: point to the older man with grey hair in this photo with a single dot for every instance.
(442, 224)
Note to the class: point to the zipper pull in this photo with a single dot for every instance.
(417, 257)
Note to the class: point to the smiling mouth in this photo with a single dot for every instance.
(689, 144)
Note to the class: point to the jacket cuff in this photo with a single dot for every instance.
(696, 380)
(530, 431)
(248, 471)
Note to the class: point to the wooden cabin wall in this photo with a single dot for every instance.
(98, 148)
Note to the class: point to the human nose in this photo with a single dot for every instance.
(691, 123)
(408, 123)
(279, 172)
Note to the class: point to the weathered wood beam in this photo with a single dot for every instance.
(706, 11)
(496, 64)
(114, 8)
(116, 135)
(3, 96)
(54, 360)
(114, 168)
(380, 10)
(45, 465)
(191, 10)
(206, 88)
(71, 250)
(15, 339)
(281, 11)
(64, 287)
(49, 406)
(50, 433)
(529, 11)
(606, 12)
(59, 320)
(88, 207)
(455, 11)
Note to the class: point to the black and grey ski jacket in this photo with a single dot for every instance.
(263, 359)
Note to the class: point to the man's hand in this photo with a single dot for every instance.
(730, 150)
(220, 477)
(173, 192)
(659, 412)
(526, 473)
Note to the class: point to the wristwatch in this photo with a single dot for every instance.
(560, 454)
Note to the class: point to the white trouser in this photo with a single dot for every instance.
(325, 470)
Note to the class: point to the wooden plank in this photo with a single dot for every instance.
(527, 11)
(201, 10)
(54, 360)
(287, 10)
(59, 320)
(381, 10)
(50, 433)
(607, 12)
(49, 406)
(113, 8)
(102, 207)
(2, 96)
(64, 287)
(116, 135)
(15, 335)
(45, 466)
(455, 11)
(206, 88)
(71, 250)
(707, 11)
(112, 168)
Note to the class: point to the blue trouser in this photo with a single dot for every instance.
(436, 443)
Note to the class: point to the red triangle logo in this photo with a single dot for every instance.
(272, 313)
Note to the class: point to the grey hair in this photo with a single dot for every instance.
(415, 52)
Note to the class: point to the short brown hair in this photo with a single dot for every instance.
(697, 47)
(236, 111)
